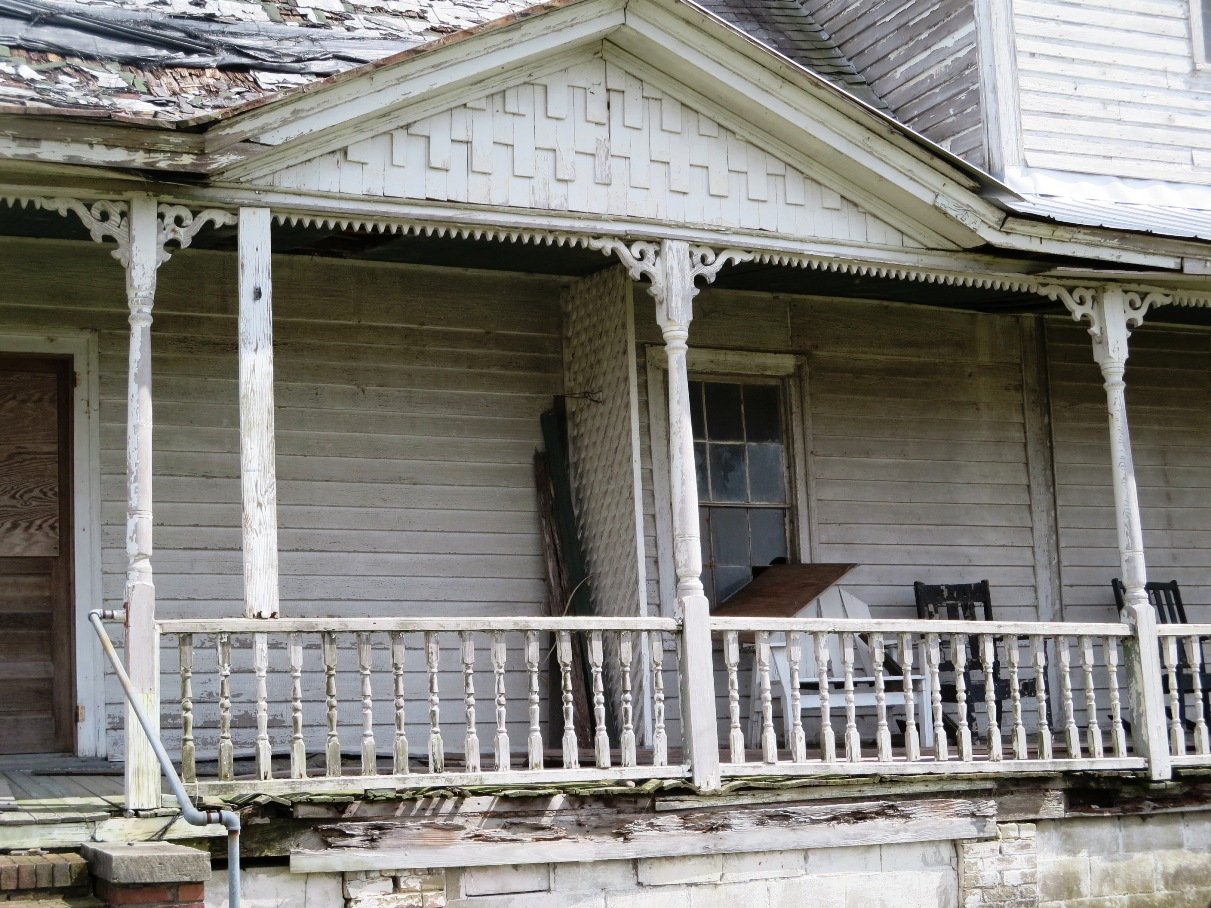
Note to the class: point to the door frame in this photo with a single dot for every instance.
(89, 669)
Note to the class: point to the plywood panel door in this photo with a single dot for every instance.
(36, 657)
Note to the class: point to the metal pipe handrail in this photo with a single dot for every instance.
(189, 812)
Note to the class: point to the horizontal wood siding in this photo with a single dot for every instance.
(1111, 88)
(919, 56)
(1169, 409)
(407, 418)
(917, 452)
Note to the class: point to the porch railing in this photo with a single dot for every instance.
(313, 704)
(1184, 675)
(924, 696)
(401, 681)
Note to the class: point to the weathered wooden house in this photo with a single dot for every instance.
(833, 295)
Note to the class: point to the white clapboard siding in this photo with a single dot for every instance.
(1096, 103)
(597, 138)
(917, 451)
(407, 413)
(1169, 411)
(919, 56)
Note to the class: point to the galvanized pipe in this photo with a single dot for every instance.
(191, 814)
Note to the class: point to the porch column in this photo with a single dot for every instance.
(1111, 313)
(673, 267)
(258, 473)
(142, 647)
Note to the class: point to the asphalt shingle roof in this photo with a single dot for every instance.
(179, 59)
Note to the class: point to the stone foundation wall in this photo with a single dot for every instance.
(1158, 861)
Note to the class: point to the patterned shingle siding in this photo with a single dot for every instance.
(603, 443)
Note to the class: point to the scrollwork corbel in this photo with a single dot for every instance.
(104, 220)
(1139, 302)
(180, 225)
(1080, 303)
(706, 262)
(641, 259)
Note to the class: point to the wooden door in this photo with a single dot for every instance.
(36, 647)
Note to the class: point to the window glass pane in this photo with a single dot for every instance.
(763, 412)
(696, 408)
(768, 534)
(704, 492)
(729, 536)
(727, 473)
(724, 420)
(767, 474)
(729, 580)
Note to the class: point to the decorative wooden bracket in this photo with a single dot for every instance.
(110, 220)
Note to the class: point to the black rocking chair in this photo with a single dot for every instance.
(964, 602)
(1166, 600)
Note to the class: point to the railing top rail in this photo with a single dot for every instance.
(1183, 630)
(920, 626)
(338, 625)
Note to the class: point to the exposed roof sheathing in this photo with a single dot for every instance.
(178, 59)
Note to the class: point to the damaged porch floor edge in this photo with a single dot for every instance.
(384, 846)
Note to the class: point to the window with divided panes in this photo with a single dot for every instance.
(743, 490)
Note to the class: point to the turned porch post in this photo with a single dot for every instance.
(142, 648)
(674, 313)
(1111, 313)
(673, 266)
(258, 473)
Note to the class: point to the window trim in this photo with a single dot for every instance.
(723, 364)
(1199, 30)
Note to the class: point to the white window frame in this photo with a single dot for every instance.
(86, 520)
(1199, 27)
(724, 364)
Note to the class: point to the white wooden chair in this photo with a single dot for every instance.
(835, 603)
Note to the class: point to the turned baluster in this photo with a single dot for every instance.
(332, 751)
(933, 660)
(828, 739)
(1118, 734)
(660, 740)
(882, 732)
(769, 740)
(571, 752)
(437, 747)
(912, 738)
(1015, 696)
(627, 739)
(189, 768)
(1039, 645)
(853, 743)
(298, 747)
(1093, 732)
(534, 741)
(260, 665)
(501, 745)
(1194, 652)
(1177, 735)
(399, 750)
(365, 657)
(471, 744)
(601, 737)
(226, 751)
(988, 657)
(794, 654)
(959, 654)
(1072, 734)
(731, 658)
